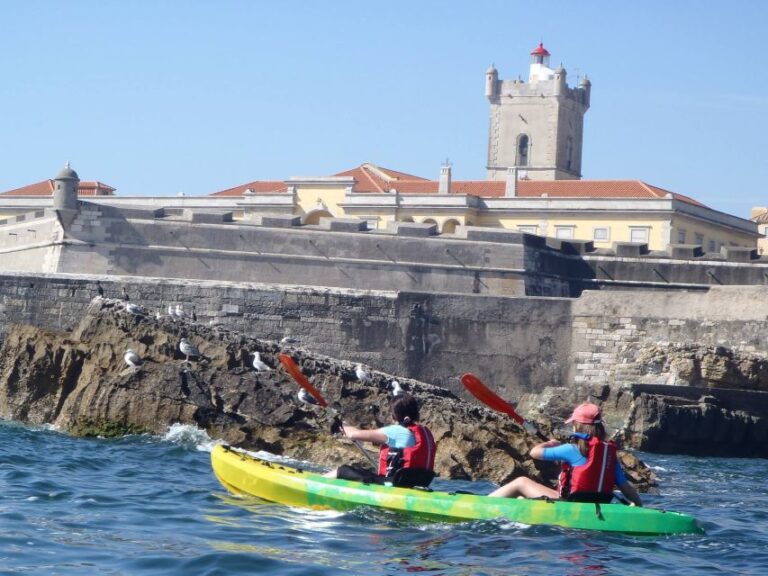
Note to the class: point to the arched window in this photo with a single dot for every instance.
(314, 216)
(522, 150)
(449, 226)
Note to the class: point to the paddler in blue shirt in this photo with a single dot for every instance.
(590, 466)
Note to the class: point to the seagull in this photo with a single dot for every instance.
(194, 315)
(397, 390)
(361, 374)
(132, 359)
(133, 308)
(125, 294)
(99, 289)
(158, 315)
(188, 349)
(288, 340)
(170, 311)
(179, 311)
(306, 397)
(259, 365)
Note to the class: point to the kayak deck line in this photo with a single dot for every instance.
(242, 473)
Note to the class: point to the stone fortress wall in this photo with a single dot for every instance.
(430, 337)
(517, 345)
(205, 245)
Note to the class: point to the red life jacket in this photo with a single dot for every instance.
(597, 476)
(420, 455)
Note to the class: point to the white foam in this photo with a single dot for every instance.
(190, 436)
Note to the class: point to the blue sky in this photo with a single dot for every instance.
(157, 98)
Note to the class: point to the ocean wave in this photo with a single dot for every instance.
(190, 436)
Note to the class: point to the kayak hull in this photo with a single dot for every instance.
(241, 473)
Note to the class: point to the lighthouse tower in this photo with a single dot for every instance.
(536, 127)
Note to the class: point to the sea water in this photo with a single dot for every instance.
(151, 505)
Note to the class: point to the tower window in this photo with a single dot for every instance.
(568, 153)
(522, 150)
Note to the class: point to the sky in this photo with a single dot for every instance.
(158, 98)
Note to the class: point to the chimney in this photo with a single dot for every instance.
(445, 179)
(510, 191)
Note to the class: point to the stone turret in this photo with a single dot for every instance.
(544, 111)
(65, 189)
(491, 83)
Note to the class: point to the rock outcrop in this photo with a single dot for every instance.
(80, 382)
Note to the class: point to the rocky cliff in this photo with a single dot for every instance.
(79, 381)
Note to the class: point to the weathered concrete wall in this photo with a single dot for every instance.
(512, 343)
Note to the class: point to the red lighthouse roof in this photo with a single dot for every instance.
(540, 50)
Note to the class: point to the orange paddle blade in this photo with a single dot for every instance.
(294, 370)
(488, 397)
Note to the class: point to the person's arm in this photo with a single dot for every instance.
(354, 433)
(537, 451)
(631, 493)
(626, 488)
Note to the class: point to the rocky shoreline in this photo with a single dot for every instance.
(79, 381)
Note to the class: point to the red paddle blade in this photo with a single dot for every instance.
(294, 370)
(488, 397)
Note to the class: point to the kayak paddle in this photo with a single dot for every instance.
(480, 391)
(293, 369)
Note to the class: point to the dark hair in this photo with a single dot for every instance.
(597, 430)
(405, 409)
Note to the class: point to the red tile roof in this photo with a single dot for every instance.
(45, 188)
(257, 187)
(370, 178)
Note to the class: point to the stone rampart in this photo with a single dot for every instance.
(613, 329)
(513, 343)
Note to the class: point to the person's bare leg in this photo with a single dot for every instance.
(330, 474)
(524, 487)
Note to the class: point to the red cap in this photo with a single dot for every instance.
(586, 413)
(540, 50)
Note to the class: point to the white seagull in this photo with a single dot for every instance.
(361, 374)
(306, 397)
(179, 311)
(132, 308)
(288, 340)
(259, 365)
(170, 311)
(132, 359)
(188, 349)
(396, 388)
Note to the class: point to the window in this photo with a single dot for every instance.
(522, 150)
(568, 153)
(681, 236)
(564, 232)
(698, 239)
(711, 246)
(373, 223)
(528, 229)
(638, 234)
(601, 234)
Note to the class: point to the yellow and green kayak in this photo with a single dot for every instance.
(245, 474)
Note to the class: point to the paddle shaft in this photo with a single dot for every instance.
(293, 369)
